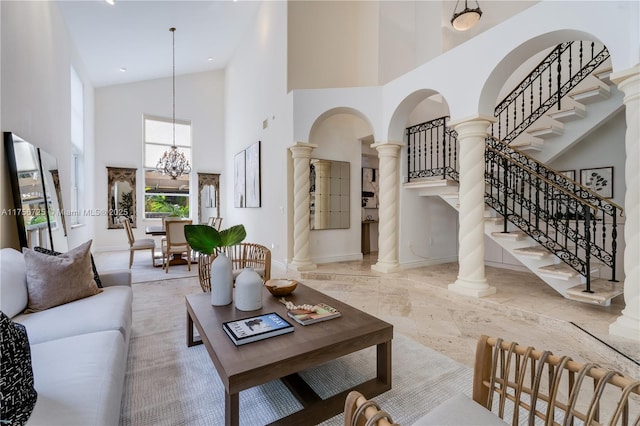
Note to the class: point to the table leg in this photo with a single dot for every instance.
(190, 340)
(231, 409)
(383, 363)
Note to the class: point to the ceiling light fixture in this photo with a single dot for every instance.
(111, 2)
(465, 18)
(173, 162)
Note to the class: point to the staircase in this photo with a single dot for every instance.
(558, 229)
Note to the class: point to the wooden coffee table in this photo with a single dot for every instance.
(282, 357)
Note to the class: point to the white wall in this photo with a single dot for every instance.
(256, 91)
(37, 54)
(119, 119)
(332, 44)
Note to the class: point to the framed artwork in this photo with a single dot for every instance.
(598, 180)
(253, 175)
(239, 180)
(571, 174)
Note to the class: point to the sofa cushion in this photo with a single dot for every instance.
(96, 276)
(460, 410)
(13, 282)
(80, 380)
(56, 280)
(16, 383)
(109, 310)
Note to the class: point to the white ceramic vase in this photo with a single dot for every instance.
(248, 290)
(221, 281)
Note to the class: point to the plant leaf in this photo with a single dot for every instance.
(202, 238)
(232, 236)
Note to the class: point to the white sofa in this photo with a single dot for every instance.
(78, 350)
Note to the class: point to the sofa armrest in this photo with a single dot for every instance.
(116, 277)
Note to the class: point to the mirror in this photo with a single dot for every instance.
(37, 197)
(329, 194)
(208, 196)
(121, 190)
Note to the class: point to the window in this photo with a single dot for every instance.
(164, 196)
(77, 146)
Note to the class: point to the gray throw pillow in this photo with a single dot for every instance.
(56, 280)
(96, 277)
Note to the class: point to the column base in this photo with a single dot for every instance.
(297, 265)
(472, 288)
(626, 327)
(386, 267)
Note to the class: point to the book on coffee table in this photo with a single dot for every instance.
(256, 328)
(323, 312)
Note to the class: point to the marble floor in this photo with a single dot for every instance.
(418, 304)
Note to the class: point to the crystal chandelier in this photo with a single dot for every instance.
(173, 162)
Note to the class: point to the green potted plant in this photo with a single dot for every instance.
(215, 273)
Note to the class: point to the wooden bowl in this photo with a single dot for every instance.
(281, 286)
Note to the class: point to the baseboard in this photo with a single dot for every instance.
(341, 258)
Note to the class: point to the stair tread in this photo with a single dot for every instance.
(559, 269)
(537, 251)
(513, 235)
(603, 292)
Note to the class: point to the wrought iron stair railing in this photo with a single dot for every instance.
(566, 218)
(553, 78)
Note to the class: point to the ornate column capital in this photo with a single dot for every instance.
(472, 126)
(302, 150)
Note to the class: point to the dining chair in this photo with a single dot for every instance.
(215, 222)
(142, 244)
(175, 243)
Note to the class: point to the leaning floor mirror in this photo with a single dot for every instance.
(37, 196)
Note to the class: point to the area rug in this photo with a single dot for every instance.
(168, 383)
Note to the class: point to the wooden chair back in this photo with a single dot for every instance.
(543, 388)
(215, 222)
(127, 227)
(359, 411)
(175, 233)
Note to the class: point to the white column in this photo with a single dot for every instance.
(301, 154)
(471, 137)
(628, 324)
(388, 153)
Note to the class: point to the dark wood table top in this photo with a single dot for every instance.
(155, 230)
(242, 367)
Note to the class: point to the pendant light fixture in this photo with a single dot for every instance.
(466, 18)
(173, 162)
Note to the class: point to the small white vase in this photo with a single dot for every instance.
(248, 290)
(221, 281)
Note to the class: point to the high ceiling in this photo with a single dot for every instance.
(134, 35)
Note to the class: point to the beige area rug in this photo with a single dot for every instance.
(168, 383)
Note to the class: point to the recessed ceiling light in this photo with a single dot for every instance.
(123, 69)
(209, 59)
(111, 2)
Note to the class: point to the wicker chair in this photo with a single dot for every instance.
(242, 255)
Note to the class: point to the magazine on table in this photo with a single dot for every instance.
(320, 312)
(256, 328)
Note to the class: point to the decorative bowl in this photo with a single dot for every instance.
(281, 286)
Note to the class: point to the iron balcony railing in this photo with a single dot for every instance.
(432, 150)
